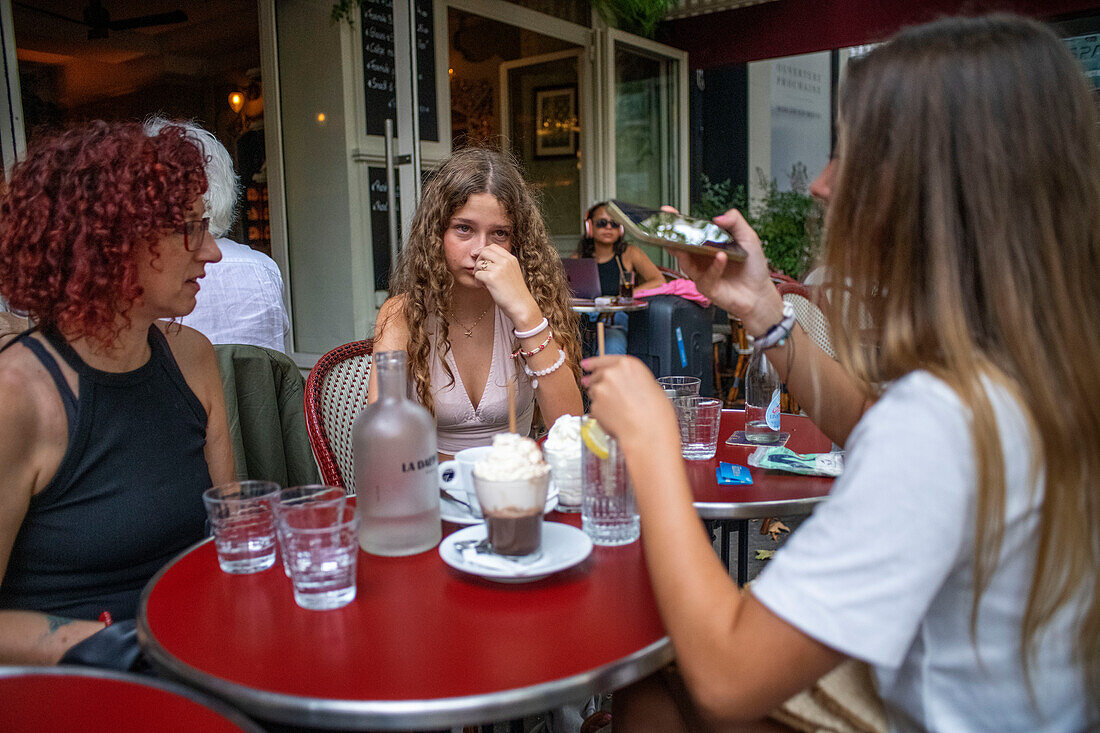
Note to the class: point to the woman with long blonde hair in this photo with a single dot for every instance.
(966, 221)
(478, 298)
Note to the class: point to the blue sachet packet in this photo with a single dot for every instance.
(731, 474)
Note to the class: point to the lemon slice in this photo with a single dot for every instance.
(596, 439)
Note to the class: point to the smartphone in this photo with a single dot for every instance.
(674, 231)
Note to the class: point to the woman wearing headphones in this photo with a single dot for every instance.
(603, 240)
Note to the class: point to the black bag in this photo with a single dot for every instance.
(115, 647)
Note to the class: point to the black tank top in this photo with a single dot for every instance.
(609, 275)
(127, 496)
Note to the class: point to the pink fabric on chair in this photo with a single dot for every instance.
(682, 287)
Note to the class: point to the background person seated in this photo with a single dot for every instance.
(241, 301)
(603, 240)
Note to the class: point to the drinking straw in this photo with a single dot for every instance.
(599, 337)
(511, 405)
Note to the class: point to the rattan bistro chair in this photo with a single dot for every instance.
(336, 392)
(810, 313)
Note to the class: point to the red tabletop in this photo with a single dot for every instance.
(422, 646)
(771, 493)
(39, 699)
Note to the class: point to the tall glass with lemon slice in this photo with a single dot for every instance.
(608, 513)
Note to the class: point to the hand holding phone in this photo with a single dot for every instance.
(674, 231)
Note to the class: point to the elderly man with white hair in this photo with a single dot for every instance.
(240, 301)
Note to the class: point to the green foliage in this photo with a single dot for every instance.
(789, 222)
(345, 10)
(639, 17)
(718, 198)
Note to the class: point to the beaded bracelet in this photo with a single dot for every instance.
(535, 373)
(528, 334)
(537, 349)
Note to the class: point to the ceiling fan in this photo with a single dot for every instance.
(98, 19)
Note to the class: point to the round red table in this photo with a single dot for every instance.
(771, 493)
(92, 700)
(422, 646)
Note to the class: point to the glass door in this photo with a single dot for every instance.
(544, 123)
(645, 123)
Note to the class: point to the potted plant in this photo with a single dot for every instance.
(789, 222)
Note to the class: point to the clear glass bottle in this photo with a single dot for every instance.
(761, 399)
(394, 453)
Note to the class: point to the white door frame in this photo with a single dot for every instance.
(605, 63)
(13, 141)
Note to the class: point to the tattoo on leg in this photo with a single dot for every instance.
(56, 622)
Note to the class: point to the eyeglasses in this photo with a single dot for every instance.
(194, 230)
(605, 224)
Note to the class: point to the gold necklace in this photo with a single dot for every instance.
(469, 331)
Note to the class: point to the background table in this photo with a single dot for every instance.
(423, 645)
(39, 699)
(771, 493)
(605, 313)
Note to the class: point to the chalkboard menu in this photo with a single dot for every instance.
(380, 225)
(378, 67)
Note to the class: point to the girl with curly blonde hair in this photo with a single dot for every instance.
(477, 299)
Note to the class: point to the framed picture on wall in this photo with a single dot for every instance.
(555, 121)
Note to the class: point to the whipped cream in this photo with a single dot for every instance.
(565, 436)
(512, 457)
(563, 453)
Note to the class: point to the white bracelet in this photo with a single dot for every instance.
(777, 334)
(534, 374)
(528, 334)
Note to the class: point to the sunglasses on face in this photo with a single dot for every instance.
(605, 224)
(193, 232)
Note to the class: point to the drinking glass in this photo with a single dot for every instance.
(698, 418)
(608, 512)
(513, 512)
(626, 284)
(567, 474)
(322, 548)
(296, 496)
(683, 386)
(241, 516)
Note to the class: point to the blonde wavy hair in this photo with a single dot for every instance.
(421, 275)
(967, 219)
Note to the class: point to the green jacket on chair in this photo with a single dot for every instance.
(264, 406)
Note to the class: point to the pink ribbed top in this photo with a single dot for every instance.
(459, 424)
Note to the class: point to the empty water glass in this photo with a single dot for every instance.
(241, 516)
(321, 545)
(295, 496)
(683, 386)
(698, 418)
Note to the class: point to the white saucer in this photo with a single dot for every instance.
(451, 511)
(563, 546)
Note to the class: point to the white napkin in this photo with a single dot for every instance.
(518, 566)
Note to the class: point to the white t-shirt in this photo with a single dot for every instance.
(240, 300)
(883, 572)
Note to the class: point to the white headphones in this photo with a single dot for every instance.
(588, 233)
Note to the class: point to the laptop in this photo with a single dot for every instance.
(583, 277)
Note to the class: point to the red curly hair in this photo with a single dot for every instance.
(79, 210)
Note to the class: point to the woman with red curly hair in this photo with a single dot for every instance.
(114, 421)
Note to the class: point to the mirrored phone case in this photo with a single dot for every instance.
(674, 231)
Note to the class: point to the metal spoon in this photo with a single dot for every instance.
(453, 498)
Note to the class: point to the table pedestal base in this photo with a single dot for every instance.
(724, 527)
